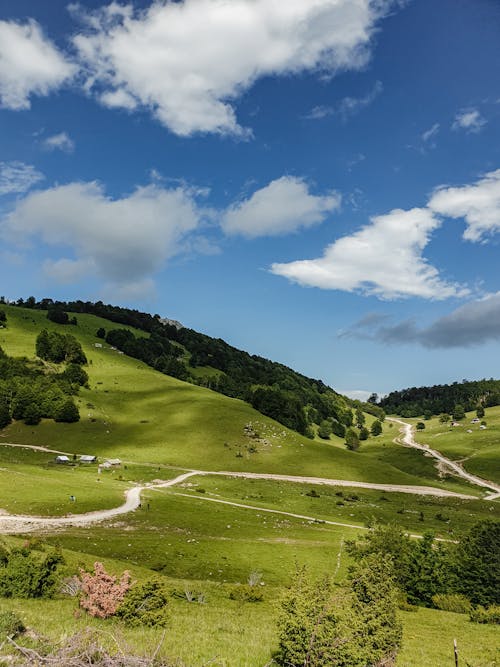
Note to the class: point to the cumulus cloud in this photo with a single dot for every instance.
(474, 323)
(62, 142)
(30, 64)
(383, 259)
(17, 177)
(283, 206)
(469, 120)
(123, 241)
(189, 61)
(478, 204)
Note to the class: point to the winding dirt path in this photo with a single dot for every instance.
(17, 523)
(455, 468)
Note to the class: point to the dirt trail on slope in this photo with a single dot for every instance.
(454, 467)
(16, 523)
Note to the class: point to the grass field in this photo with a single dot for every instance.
(158, 426)
(479, 451)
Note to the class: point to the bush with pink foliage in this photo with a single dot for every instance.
(102, 593)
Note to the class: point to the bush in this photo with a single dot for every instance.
(246, 593)
(10, 624)
(25, 575)
(145, 604)
(486, 615)
(420, 426)
(452, 602)
(102, 593)
(67, 412)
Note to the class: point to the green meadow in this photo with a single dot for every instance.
(477, 450)
(192, 537)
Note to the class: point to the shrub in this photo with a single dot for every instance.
(67, 412)
(10, 624)
(102, 593)
(452, 602)
(145, 604)
(246, 593)
(486, 615)
(25, 575)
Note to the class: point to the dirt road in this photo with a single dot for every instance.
(17, 523)
(455, 468)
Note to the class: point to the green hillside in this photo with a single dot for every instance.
(134, 413)
(210, 533)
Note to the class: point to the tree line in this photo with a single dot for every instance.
(298, 402)
(442, 398)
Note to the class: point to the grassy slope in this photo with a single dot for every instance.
(135, 413)
(479, 450)
(144, 416)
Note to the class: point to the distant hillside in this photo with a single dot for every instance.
(442, 398)
(298, 402)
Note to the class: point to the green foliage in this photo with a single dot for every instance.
(10, 624)
(478, 564)
(29, 575)
(338, 429)
(486, 615)
(442, 399)
(56, 347)
(454, 602)
(376, 428)
(32, 414)
(444, 418)
(57, 315)
(458, 412)
(325, 429)
(360, 418)
(76, 375)
(364, 433)
(3, 318)
(280, 405)
(145, 604)
(480, 411)
(67, 412)
(246, 593)
(321, 624)
(351, 439)
(420, 426)
(101, 332)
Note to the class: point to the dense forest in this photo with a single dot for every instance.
(32, 390)
(272, 388)
(442, 398)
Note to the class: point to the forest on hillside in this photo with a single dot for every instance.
(442, 398)
(272, 388)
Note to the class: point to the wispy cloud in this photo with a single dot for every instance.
(350, 106)
(347, 107)
(16, 177)
(61, 142)
(469, 120)
(475, 323)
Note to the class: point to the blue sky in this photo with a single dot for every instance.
(315, 181)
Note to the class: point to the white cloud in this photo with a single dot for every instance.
(469, 120)
(383, 258)
(123, 241)
(29, 64)
(17, 177)
(355, 394)
(283, 206)
(430, 133)
(62, 142)
(479, 204)
(351, 105)
(189, 61)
